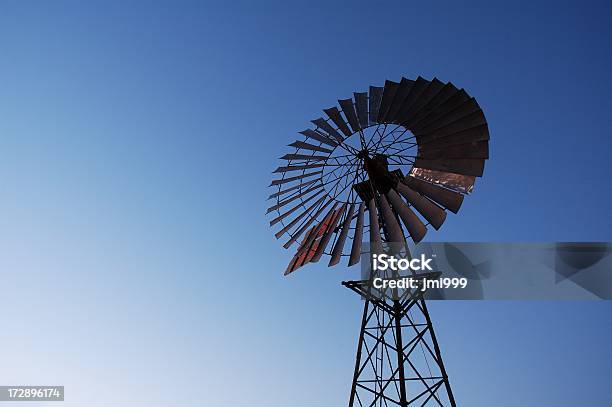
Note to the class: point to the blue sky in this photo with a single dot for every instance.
(137, 141)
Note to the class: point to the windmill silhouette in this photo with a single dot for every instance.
(386, 164)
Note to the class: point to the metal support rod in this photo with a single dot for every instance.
(449, 391)
(397, 315)
(364, 321)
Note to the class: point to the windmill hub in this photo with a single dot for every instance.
(377, 168)
(363, 154)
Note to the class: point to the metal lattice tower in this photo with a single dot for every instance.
(398, 357)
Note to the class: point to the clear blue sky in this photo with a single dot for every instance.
(136, 144)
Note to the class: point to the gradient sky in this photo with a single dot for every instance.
(137, 140)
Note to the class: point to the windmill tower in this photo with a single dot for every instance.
(384, 165)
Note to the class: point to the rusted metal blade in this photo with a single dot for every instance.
(447, 198)
(413, 224)
(361, 106)
(339, 246)
(319, 231)
(465, 166)
(349, 112)
(357, 237)
(336, 117)
(297, 177)
(306, 225)
(306, 146)
(456, 182)
(298, 218)
(307, 248)
(430, 211)
(329, 232)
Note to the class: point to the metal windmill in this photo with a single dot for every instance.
(386, 164)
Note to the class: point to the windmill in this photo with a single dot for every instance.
(382, 167)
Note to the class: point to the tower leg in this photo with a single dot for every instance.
(449, 391)
(400, 355)
(364, 321)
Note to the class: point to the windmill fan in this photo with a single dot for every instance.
(404, 153)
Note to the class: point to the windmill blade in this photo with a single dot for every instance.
(415, 227)
(339, 246)
(478, 133)
(448, 199)
(328, 233)
(361, 105)
(297, 196)
(327, 128)
(393, 230)
(430, 211)
(387, 98)
(375, 98)
(456, 182)
(306, 249)
(419, 86)
(467, 108)
(433, 88)
(477, 149)
(306, 225)
(315, 135)
(298, 218)
(336, 117)
(293, 188)
(448, 91)
(290, 157)
(318, 230)
(402, 92)
(297, 167)
(293, 264)
(349, 112)
(305, 146)
(375, 239)
(448, 106)
(357, 237)
(297, 177)
(465, 166)
(475, 119)
(309, 247)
